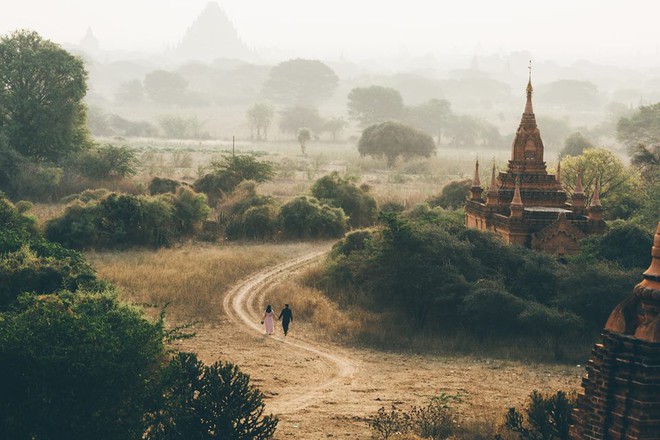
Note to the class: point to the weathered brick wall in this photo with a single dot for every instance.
(621, 399)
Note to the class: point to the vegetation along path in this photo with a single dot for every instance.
(320, 390)
(241, 304)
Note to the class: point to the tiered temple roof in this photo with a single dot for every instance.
(525, 204)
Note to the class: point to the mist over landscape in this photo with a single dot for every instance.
(293, 219)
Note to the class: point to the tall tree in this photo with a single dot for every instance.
(42, 86)
(575, 144)
(294, 118)
(300, 82)
(431, 116)
(304, 136)
(642, 127)
(393, 139)
(375, 104)
(259, 117)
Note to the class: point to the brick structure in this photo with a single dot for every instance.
(527, 206)
(621, 398)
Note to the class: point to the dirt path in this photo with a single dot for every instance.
(240, 305)
(320, 390)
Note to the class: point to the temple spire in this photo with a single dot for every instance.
(578, 184)
(516, 207)
(559, 172)
(491, 195)
(476, 181)
(652, 274)
(595, 199)
(528, 105)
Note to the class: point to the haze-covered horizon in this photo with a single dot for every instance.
(609, 32)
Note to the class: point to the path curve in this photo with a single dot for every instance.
(240, 305)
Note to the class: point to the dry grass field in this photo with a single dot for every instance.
(195, 279)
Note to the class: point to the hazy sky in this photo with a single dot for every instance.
(614, 31)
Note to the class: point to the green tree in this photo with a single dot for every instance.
(575, 144)
(431, 116)
(300, 82)
(165, 87)
(228, 172)
(393, 139)
(357, 203)
(306, 217)
(294, 118)
(106, 162)
(77, 365)
(597, 165)
(304, 136)
(334, 126)
(209, 402)
(259, 117)
(42, 86)
(375, 104)
(453, 195)
(642, 127)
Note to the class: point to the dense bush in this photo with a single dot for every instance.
(209, 402)
(624, 243)
(229, 172)
(121, 220)
(435, 275)
(306, 217)
(163, 185)
(76, 365)
(453, 195)
(357, 203)
(105, 162)
(249, 215)
(545, 417)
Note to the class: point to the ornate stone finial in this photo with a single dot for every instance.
(491, 195)
(595, 199)
(578, 184)
(559, 171)
(652, 274)
(476, 181)
(517, 199)
(530, 89)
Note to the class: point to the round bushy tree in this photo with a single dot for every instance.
(393, 139)
(306, 217)
(357, 203)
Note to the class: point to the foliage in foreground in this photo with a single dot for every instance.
(124, 220)
(438, 277)
(545, 417)
(80, 364)
(437, 420)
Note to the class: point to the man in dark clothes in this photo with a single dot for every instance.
(286, 315)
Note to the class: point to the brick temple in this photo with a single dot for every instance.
(529, 207)
(621, 398)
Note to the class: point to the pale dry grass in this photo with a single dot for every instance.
(192, 278)
(46, 211)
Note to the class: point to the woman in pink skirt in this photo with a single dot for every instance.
(269, 320)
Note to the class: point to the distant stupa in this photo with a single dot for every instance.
(210, 37)
(89, 43)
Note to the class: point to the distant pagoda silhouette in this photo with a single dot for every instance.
(621, 397)
(529, 207)
(212, 36)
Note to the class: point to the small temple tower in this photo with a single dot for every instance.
(621, 398)
(527, 206)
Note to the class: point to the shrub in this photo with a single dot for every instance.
(163, 185)
(306, 217)
(545, 417)
(28, 270)
(386, 424)
(453, 195)
(190, 210)
(625, 243)
(357, 203)
(106, 162)
(209, 402)
(230, 171)
(76, 365)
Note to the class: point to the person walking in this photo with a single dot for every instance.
(268, 320)
(286, 315)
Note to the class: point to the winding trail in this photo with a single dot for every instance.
(241, 306)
